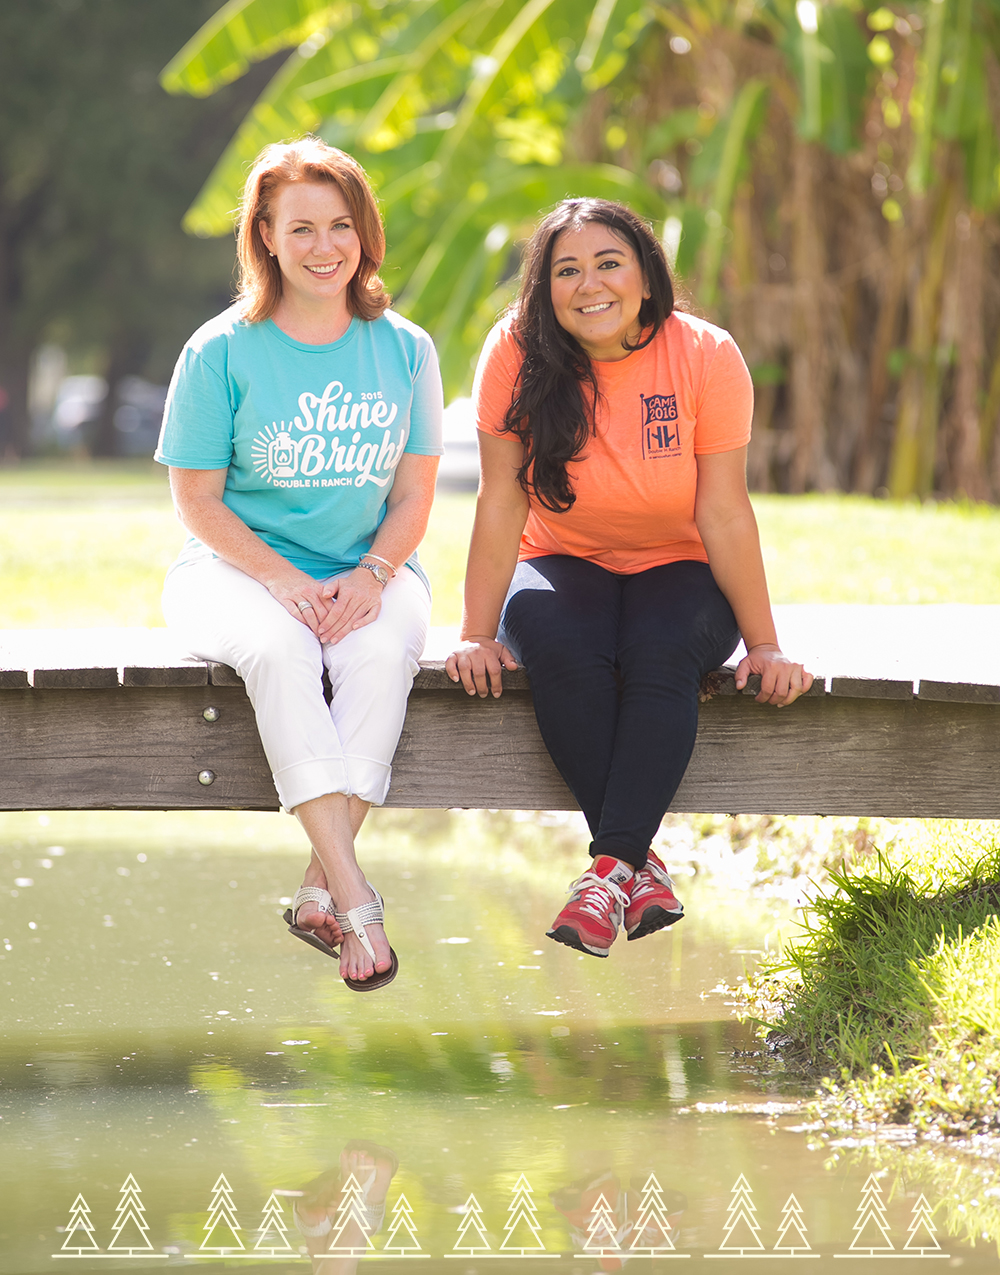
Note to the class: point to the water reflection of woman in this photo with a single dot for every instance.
(302, 431)
(324, 1221)
(615, 552)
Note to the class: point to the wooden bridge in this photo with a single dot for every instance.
(904, 721)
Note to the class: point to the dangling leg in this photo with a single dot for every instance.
(561, 619)
(676, 625)
(371, 673)
(223, 614)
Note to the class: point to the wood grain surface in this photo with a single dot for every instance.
(144, 747)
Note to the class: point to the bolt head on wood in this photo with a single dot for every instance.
(206, 777)
(212, 714)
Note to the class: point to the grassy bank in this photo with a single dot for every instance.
(892, 989)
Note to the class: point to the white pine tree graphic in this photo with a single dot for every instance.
(472, 1220)
(739, 1238)
(221, 1218)
(273, 1239)
(130, 1209)
(602, 1231)
(80, 1232)
(402, 1220)
(521, 1217)
(652, 1226)
(871, 1210)
(922, 1223)
(351, 1210)
(791, 1221)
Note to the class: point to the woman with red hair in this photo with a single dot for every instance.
(302, 430)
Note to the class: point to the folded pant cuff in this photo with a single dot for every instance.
(369, 778)
(306, 780)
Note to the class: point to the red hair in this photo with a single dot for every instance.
(308, 160)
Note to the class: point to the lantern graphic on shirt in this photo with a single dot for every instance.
(282, 456)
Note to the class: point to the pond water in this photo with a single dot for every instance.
(179, 1078)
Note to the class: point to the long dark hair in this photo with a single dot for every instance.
(553, 408)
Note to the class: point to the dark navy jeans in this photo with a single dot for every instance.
(616, 663)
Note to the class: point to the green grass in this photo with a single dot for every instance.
(892, 987)
(856, 549)
(86, 544)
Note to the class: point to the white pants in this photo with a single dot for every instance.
(222, 614)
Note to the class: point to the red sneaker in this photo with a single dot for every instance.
(653, 904)
(590, 920)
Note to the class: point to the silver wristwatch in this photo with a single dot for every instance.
(380, 573)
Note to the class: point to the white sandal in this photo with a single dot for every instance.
(311, 894)
(353, 921)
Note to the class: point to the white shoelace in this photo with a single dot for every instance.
(590, 883)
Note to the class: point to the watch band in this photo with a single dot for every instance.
(380, 573)
(384, 561)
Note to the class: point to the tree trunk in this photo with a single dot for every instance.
(15, 420)
(915, 438)
(966, 476)
(809, 371)
(866, 460)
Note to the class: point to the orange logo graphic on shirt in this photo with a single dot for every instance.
(660, 435)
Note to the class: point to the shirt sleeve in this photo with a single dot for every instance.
(427, 404)
(197, 429)
(496, 379)
(725, 411)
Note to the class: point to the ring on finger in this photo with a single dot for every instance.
(305, 606)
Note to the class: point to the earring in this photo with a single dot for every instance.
(270, 254)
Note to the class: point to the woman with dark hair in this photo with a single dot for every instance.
(302, 430)
(615, 552)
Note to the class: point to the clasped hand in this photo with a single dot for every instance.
(781, 680)
(330, 608)
(477, 663)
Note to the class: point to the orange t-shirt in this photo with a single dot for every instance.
(687, 394)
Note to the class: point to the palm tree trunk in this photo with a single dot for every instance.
(867, 460)
(966, 473)
(809, 371)
(915, 437)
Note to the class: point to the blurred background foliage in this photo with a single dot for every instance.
(826, 177)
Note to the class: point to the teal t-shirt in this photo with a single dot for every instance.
(310, 435)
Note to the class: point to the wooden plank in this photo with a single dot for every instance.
(136, 749)
(223, 675)
(870, 688)
(958, 692)
(432, 677)
(75, 679)
(193, 674)
(846, 757)
(143, 748)
(463, 751)
(949, 642)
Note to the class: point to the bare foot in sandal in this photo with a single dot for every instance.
(355, 962)
(310, 915)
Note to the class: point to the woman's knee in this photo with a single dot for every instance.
(372, 652)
